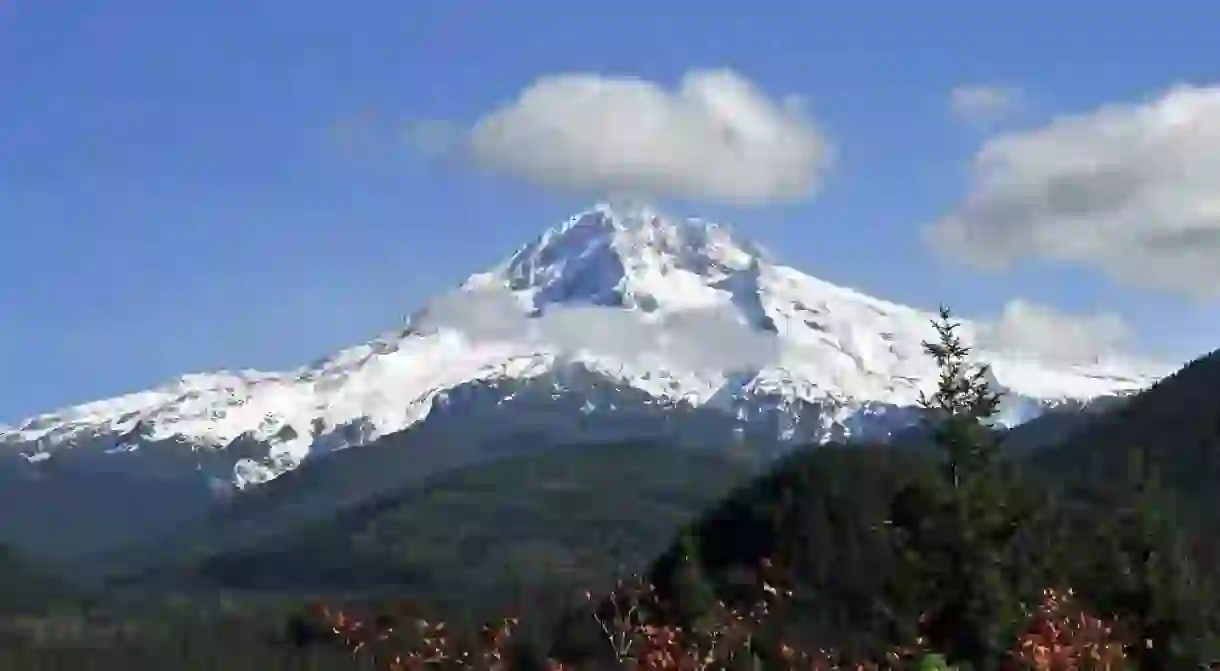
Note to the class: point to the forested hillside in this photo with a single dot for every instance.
(1119, 511)
(566, 520)
(24, 586)
(943, 543)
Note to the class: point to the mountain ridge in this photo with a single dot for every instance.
(692, 315)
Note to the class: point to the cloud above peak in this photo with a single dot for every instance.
(716, 137)
(1133, 190)
(693, 339)
(1029, 328)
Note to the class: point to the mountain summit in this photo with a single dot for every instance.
(629, 257)
(617, 308)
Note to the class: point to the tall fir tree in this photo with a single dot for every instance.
(955, 532)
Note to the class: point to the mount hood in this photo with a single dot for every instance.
(616, 313)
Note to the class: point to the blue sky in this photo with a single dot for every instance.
(196, 185)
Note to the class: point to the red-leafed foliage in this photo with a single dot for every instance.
(1060, 636)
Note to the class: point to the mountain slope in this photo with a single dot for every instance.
(568, 518)
(25, 587)
(1174, 426)
(827, 511)
(617, 320)
(672, 280)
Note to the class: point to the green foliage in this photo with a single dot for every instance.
(1149, 517)
(697, 595)
(1152, 583)
(821, 511)
(877, 535)
(955, 532)
(162, 637)
(1174, 428)
(934, 662)
(494, 536)
(25, 587)
(960, 407)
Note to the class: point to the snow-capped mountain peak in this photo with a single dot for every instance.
(668, 313)
(628, 256)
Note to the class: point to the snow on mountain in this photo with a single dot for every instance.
(684, 311)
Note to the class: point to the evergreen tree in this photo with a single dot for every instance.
(955, 531)
(696, 596)
(960, 407)
(1151, 584)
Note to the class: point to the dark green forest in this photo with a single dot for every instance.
(942, 538)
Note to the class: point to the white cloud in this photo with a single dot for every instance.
(983, 103)
(1131, 189)
(703, 339)
(485, 314)
(1044, 332)
(716, 138)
